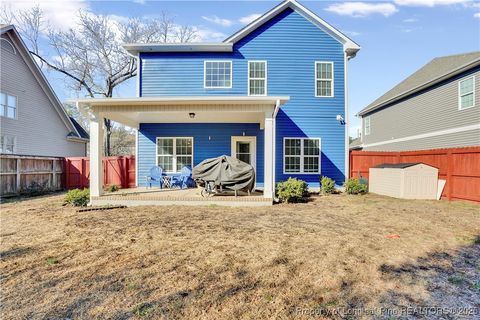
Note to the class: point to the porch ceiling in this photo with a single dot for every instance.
(229, 109)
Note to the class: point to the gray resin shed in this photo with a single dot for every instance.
(404, 180)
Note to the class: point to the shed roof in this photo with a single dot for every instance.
(435, 71)
(397, 165)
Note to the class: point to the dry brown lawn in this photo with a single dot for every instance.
(334, 254)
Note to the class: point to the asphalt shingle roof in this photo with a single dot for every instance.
(435, 69)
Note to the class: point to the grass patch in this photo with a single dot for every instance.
(143, 310)
(456, 280)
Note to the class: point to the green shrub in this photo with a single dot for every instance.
(292, 190)
(354, 186)
(113, 188)
(327, 185)
(77, 197)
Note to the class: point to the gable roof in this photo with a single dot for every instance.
(435, 71)
(83, 134)
(40, 77)
(351, 48)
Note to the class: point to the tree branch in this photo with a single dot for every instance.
(80, 81)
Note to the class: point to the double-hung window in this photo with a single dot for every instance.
(257, 78)
(218, 74)
(366, 123)
(466, 93)
(301, 155)
(8, 106)
(174, 153)
(7, 144)
(323, 79)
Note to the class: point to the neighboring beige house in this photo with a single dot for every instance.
(32, 119)
(438, 106)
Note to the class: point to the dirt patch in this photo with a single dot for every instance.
(309, 260)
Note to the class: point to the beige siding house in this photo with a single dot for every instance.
(32, 119)
(436, 107)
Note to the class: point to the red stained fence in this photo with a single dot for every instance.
(116, 170)
(459, 166)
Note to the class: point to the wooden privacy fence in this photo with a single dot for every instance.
(28, 174)
(460, 167)
(118, 171)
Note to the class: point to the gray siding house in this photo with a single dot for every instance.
(438, 106)
(32, 119)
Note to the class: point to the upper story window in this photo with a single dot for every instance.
(7, 45)
(466, 93)
(218, 74)
(174, 153)
(366, 125)
(8, 106)
(7, 144)
(301, 155)
(323, 79)
(257, 78)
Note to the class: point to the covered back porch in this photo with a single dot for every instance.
(173, 132)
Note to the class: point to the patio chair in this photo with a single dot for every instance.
(184, 180)
(156, 175)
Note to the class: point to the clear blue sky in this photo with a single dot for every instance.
(397, 37)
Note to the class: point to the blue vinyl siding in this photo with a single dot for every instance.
(219, 144)
(290, 44)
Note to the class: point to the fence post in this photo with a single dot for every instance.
(125, 176)
(82, 173)
(19, 163)
(449, 174)
(67, 174)
(54, 174)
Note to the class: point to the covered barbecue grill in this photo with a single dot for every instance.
(225, 172)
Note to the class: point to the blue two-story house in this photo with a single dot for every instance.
(274, 95)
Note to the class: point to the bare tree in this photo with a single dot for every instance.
(90, 55)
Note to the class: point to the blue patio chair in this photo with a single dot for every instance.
(156, 175)
(184, 180)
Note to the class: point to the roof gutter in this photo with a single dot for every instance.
(426, 85)
(135, 48)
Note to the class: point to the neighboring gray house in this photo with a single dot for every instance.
(32, 119)
(438, 106)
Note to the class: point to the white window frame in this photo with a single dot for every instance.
(205, 74)
(302, 156)
(460, 96)
(174, 155)
(265, 79)
(3, 147)
(16, 107)
(365, 127)
(332, 94)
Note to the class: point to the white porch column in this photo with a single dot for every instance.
(268, 184)
(96, 154)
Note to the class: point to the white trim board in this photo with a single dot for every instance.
(425, 135)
